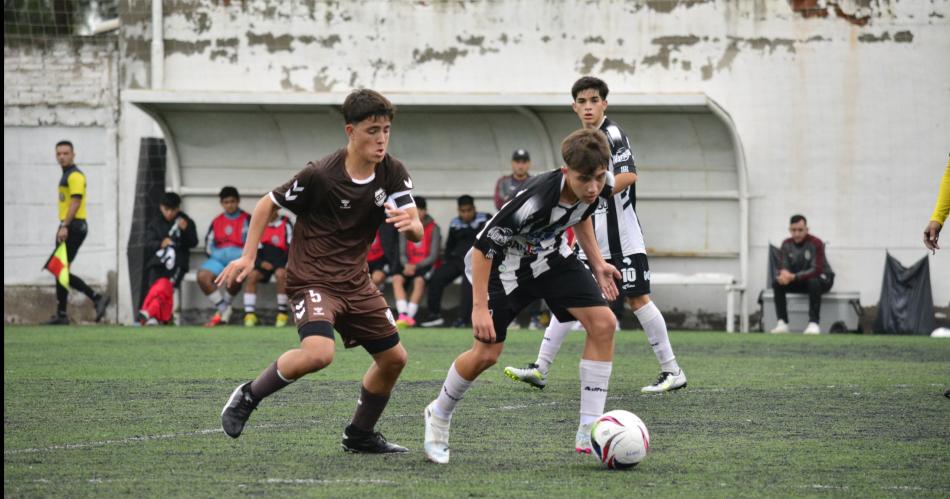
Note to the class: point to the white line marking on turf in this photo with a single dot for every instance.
(317, 481)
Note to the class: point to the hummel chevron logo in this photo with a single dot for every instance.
(408, 183)
(290, 196)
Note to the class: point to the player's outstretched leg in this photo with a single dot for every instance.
(438, 414)
(671, 375)
(595, 367)
(536, 373)
(315, 353)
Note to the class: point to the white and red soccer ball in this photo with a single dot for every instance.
(620, 439)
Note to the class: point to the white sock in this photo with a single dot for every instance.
(282, 299)
(655, 326)
(215, 297)
(401, 306)
(595, 375)
(413, 308)
(250, 301)
(453, 389)
(553, 338)
(225, 304)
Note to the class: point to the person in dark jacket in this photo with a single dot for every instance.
(168, 239)
(462, 232)
(803, 269)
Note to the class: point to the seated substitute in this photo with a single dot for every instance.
(804, 269)
(223, 244)
(168, 239)
(418, 259)
(271, 261)
(462, 232)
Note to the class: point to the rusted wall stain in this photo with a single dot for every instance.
(286, 84)
(668, 44)
(667, 6)
(820, 9)
(185, 47)
(618, 65)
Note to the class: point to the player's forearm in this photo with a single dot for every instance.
(71, 212)
(622, 181)
(481, 269)
(584, 232)
(255, 229)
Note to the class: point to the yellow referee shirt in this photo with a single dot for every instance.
(73, 183)
(943, 198)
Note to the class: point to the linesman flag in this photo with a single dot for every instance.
(58, 265)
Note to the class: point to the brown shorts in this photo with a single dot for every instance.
(361, 317)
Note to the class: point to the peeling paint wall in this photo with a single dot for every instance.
(56, 89)
(841, 105)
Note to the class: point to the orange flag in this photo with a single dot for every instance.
(58, 265)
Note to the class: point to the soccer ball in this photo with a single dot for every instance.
(620, 439)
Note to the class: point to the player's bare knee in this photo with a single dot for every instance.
(601, 325)
(638, 302)
(315, 360)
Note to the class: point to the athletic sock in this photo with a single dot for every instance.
(595, 375)
(250, 302)
(453, 389)
(401, 306)
(268, 382)
(282, 302)
(413, 308)
(369, 407)
(655, 327)
(553, 338)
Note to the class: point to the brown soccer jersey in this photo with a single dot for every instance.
(337, 218)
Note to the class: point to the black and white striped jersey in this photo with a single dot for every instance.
(615, 223)
(525, 239)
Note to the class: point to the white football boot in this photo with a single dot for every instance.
(436, 444)
(666, 382)
(530, 375)
(582, 440)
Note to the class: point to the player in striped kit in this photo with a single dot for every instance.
(621, 244)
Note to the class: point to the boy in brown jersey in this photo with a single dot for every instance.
(340, 201)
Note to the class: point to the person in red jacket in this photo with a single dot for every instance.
(223, 243)
(272, 256)
(418, 260)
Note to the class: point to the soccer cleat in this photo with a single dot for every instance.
(101, 303)
(405, 321)
(281, 320)
(215, 320)
(780, 328)
(360, 442)
(433, 321)
(250, 319)
(461, 324)
(530, 375)
(152, 322)
(582, 440)
(57, 320)
(666, 382)
(812, 328)
(238, 410)
(141, 317)
(436, 444)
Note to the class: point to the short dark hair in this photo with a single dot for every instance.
(66, 143)
(170, 200)
(797, 218)
(420, 202)
(365, 103)
(585, 151)
(466, 200)
(588, 82)
(228, 192)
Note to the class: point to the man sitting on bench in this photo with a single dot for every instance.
(802, 269)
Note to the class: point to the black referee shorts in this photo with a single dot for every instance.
(569, 285)
(77, 234)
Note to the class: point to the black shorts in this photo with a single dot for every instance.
(569, 285)
(635, 272)
(76, 234)
(380, 265)
(424, 272)
(272, 255)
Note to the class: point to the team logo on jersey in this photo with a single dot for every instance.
(228, 229)
(500, 235)
(289, 195)
(318, 311)
(807, 255)
(380, 197)
(389, 315)
(622, 155)
(62, 197)
(345, 204)
(275, 240)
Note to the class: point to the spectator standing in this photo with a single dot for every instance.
(509, 185)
